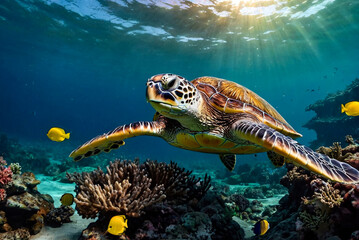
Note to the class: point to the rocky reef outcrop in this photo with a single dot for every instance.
(22, 207)
(317, 208)
(329, 117)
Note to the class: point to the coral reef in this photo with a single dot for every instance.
(179, 206)
(58, 216)
(23, 209)
(329, 116)
(322, 209)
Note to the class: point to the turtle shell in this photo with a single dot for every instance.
(231, 97)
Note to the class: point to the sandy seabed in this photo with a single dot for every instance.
(68, 231)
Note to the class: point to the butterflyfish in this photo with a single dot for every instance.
(117, 225)
(351, 108)
(261, 227)
(58, 134)
(67, 199)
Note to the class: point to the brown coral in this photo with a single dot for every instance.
(125, 189)
(129, 187)
(328, 196)
(179, 185)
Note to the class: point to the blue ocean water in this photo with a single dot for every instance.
(83, 65)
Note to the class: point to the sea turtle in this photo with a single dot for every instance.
(214, 115)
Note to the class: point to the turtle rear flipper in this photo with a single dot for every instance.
(114, 139)
(303, 156)
(276, 159)
(229, 161)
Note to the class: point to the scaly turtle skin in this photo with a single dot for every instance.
(213, 115)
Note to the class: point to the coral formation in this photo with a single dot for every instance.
(15, 168)
(128, 187)
(124, 189)
(5, 178)
(58, 216)
(323, 209)
(178, 184)
(329, 116)
(22, 211)
(187, 213)
(21, 234)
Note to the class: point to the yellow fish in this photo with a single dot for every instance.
(58, 134)
(351, 108)
(67, 199)
(117, 225)
(261, 227)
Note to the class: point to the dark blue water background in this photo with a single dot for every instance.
(64, 64)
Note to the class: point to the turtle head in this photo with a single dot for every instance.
(172, 96)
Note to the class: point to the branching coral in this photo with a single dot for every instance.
(173, 178)
(329, 196)
(125, 189)
(5, 177)
(15, 168)
(179, 185)
(298, 174)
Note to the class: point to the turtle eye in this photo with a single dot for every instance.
(171, 83)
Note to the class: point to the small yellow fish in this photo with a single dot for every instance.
(261, 227)
(67, 199)
(117, 225)
(58, 134)
(351, 108)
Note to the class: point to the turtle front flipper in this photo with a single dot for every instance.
(114, 139)
(303, 156)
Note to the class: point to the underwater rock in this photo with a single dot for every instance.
(256, 206)
(198, 223)
(22, 183)
(251, 192)
(24, 207)
(27, 202)
(18, 234)
(58, 216)
(284, 230)
(240, 201)
(35, 223)
(329, 116)
(268, 211)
